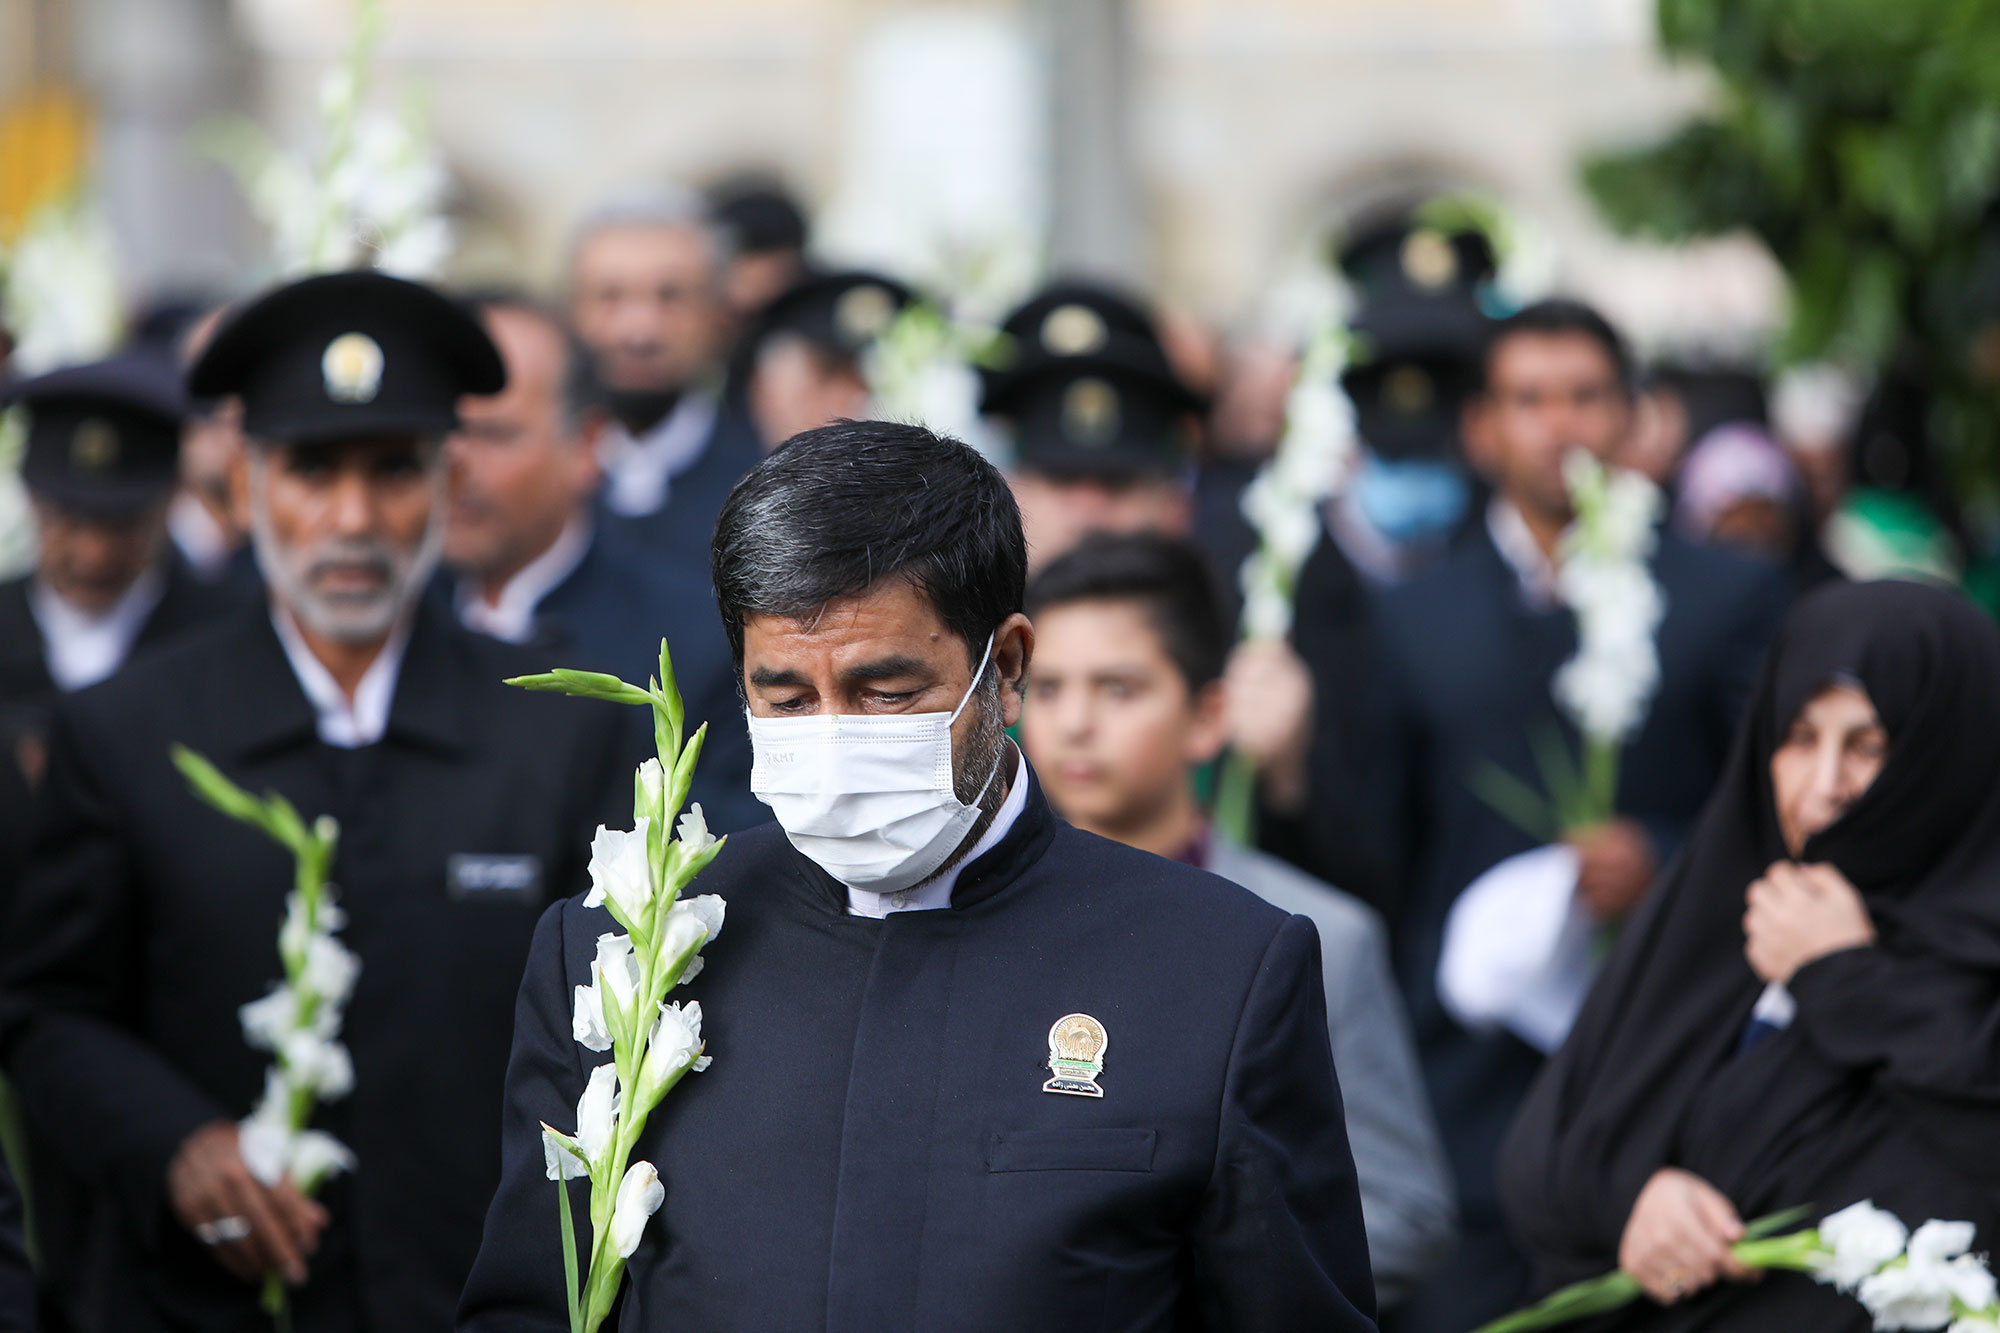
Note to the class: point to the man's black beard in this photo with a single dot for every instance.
(639, 410)
(986, 750)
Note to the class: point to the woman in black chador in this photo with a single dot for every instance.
(1808, 1011)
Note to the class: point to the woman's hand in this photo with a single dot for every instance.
(1799, 913)
(1678, 1237)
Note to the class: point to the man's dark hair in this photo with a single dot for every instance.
(845, 507)
(1556, 317)
(1166, 577)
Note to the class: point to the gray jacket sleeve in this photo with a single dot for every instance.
(1407, 1202)
(1406, 1195)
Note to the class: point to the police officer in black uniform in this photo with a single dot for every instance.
(1101, 423)
(146, 918)
(102, 452)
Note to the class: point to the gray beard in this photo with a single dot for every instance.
(344, 619)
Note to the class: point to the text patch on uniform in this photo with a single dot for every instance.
(486, 877)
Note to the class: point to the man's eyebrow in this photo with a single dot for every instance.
(888, 668)
(768, 678)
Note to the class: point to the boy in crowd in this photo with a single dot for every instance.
(1126, 699)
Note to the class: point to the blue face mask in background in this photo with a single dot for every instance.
(1413, 498)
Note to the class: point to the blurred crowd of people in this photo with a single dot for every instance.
(568, 516)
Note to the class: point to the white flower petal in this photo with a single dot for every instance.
(621, 871)
(597, 1111)
(1858, 1241)
(587, 1020)
(640, 1195)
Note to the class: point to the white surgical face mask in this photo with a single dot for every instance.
(869, 799)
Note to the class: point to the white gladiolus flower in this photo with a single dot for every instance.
(1976, 1323)
(652, 790)
(1602, 576)
(266, 1022)
(262, 1145)
(330, 971)
(311, 1061)
(1937, 1277)
(621, 872)
(693, 831)
(1858, 1240)
(586, 1022)
(315, 1155)
(674, 1042)
(597, 1112)
(690, 924)
(616, 968)
(559, 1159)
(640, 1195)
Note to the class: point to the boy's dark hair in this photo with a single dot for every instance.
(1554, 317)
(839, 509)
(1168, 578)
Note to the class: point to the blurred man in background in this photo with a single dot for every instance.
(647, 275)
(531, 567)
(766, 231)
(104, 443)
(146, 919)
(1126, 700)
(1101, 423)
(1466, 654)
(805, 351)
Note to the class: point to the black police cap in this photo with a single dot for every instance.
(1075, 327)
(838, 313)
(353, 355)
(104, 438)
(1099, 421)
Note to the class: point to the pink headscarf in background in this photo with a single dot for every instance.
(1734, 462)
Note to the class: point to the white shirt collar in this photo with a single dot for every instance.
(511, 618)
(639, 473)
(1523, 554)
(935, 893)
(81, 648)
(341, 724)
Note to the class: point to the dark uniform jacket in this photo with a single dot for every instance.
(27, 694)
(872, 1151)
(610, 615)
(685, 524)
(1465, 669)
(146, 918)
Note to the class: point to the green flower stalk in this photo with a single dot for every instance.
(638, 877)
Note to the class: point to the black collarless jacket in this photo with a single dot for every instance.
(872, 1150)
(27, 694)
(145, 919)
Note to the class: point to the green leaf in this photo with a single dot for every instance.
(571, 1286)
(670, 694)
(1598, 1295)
(584, 685)
(1514, 801)
(211, 786)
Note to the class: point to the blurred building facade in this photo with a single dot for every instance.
(1200, 147)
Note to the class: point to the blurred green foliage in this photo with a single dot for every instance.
(1860, 139)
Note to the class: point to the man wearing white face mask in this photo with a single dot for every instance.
(973, 1069)
(145, 918)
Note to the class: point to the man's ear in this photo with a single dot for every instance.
(1208, 708)
(239, 487)
(1013, 649)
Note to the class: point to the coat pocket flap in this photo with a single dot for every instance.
(1072, 1150)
